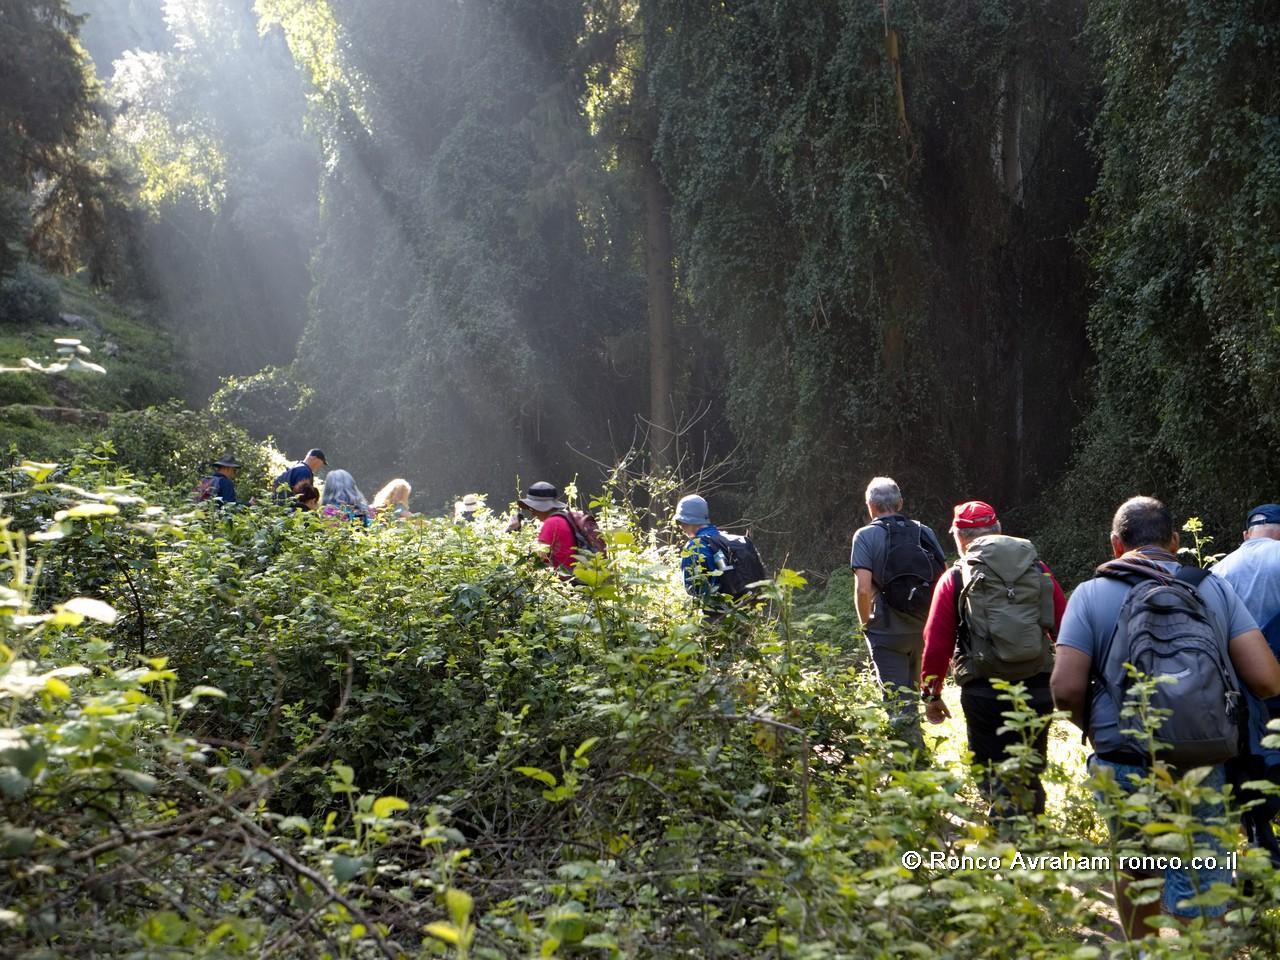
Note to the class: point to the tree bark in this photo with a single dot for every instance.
(661, 294)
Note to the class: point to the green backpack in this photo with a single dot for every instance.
(1005, 603)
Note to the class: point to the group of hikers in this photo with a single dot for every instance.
(296, 488)
(1149, 639)
(996, 617)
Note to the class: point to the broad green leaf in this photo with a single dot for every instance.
(459, 904)
(542, 776)
(586, 745)
(345, 868)
(142, 782)
(92, 609)
(15, 841)
(444, 931)
(386, 806)
(87, 511)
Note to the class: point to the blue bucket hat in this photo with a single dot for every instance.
(693, 509)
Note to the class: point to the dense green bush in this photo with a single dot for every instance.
(29, 296)
(414, 741)
(173, 446)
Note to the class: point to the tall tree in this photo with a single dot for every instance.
(46, 106)
(1184, 241)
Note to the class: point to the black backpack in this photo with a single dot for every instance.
(910, 567)
(1164, 630)
(743, 566)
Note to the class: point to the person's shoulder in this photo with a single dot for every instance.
(872, 529)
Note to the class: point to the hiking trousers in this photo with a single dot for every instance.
(896, 658)
(1014, 792)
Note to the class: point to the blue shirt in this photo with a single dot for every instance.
(1253, 570)
(290, 479)
(223, 488)
(699, 560)
(1090, 620)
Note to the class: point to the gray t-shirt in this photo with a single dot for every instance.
(1090, 619)
(1253, 570)
(870, 545)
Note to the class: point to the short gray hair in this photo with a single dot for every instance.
(883, 494)
(973, 533)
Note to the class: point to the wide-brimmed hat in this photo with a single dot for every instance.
(470, 502)
(542, 496)
(227, 460)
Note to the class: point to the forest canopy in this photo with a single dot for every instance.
(1018, 250)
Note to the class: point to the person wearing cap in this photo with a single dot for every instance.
(895, 639)
(304, 471)
(1143, 533)
(1253, 570)
(222, 482)
(700, 556)
(983, 706)
(542, 499)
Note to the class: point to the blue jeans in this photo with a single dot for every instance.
(1183, 882)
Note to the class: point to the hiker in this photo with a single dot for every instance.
(1001, 606)
(306, 495)
(714, 564)
(465, 510)
(543, 501)
(1131, 612)
(392, 501)
(1253, 570)
(285, 488)
(219, 487)
(895, 562)
(342, 498)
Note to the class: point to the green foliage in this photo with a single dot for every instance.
(414, 740)
(851, 259)
(1184, 240)
(29, 296)
(46, 107)
(267, 404)
(174, 446)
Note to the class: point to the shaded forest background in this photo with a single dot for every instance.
(1022, 251)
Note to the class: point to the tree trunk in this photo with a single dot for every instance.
(661, 292)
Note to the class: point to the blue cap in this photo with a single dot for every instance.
(693, 509)
(1263, 513)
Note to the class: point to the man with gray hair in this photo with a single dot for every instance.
(895, 562)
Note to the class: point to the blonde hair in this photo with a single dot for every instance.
(397, 491)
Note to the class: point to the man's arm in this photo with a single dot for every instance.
(864, 592)
(1255, 663)
(1070, 682)
(940, 632)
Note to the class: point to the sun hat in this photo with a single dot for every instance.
(470, 502)
(542, 496)
(227, 460)
(973, 513)
(693, 509)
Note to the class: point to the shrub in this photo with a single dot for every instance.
(29, 296)
(174, 446)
